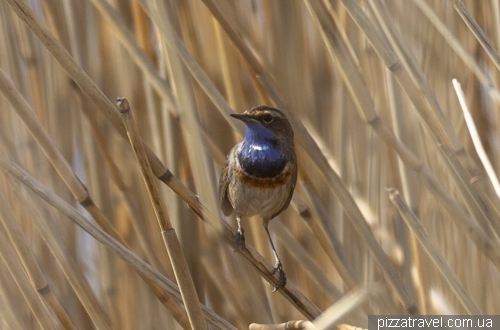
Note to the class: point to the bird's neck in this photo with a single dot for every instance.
(260, 155)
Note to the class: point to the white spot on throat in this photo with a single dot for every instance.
(259, 147)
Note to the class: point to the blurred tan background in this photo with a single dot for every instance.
(368, 88)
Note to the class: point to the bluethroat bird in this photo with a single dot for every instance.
(259, 175)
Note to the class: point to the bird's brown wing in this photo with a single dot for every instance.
(294, 182)
(225, 177)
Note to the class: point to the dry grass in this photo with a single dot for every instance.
(368, 88)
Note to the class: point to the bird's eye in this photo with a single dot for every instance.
(267, 118)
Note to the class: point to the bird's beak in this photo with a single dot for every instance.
(241, 116)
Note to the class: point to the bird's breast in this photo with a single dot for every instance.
(252, 195)
(262, 160)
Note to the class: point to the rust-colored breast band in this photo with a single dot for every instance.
(264, 183)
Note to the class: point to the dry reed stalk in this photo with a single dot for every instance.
(191, 64)
(349, 302)
(430, 248)
(409, 186)
(152, 275)
(476, 140)
(366, 106)
(477, 31)
(319, 12)
(79, 76)
(181, 271)
(290, 292)
(124, 189)
(463, 169)
(14, 316)
(29, 263)
(60, 249)
(29, 117)
(74, 184)
(290, 325)
(459, 49)
(89, 87)
(406, 54)
(43, 316)
(91, 90)
(330, 243)
(303, 258)
(140, 58)
(311, 147)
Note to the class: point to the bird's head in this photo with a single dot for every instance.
(266, 123)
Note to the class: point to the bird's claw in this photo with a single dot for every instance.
(239, 239)
(282, 277)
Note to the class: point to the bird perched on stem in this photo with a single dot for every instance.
(259, 175)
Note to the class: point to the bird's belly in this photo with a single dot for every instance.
(251, 200)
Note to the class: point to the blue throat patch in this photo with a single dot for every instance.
(259, 155)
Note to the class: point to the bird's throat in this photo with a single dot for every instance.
(262, 160)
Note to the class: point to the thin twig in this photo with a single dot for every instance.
(475, 137)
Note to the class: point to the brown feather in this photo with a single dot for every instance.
(293, 163)
(224, 203)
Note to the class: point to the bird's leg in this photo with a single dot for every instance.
(278, 267)
(239, 240)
